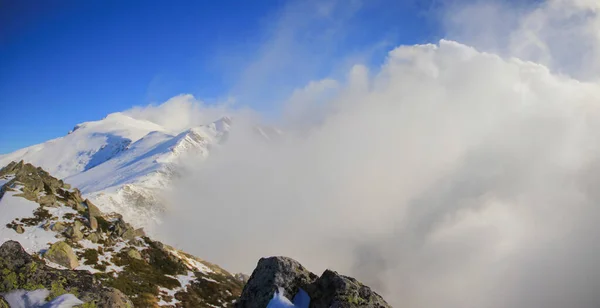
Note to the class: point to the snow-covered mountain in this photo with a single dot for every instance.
(122, 163)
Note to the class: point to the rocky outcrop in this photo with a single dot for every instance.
(62, 254)
(19, 270)
(271, 274)
(129, 268)
(329, 290)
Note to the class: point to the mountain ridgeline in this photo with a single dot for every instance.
(55, 239)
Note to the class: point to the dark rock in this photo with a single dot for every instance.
(270, 274)
(329, 290)
(337, 291)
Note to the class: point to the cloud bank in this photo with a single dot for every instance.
(448, 177)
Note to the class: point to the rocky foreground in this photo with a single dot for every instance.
(330, 290)
(66, 245)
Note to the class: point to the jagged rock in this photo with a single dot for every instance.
(62, 254)
(271, 273)
(329, 290)
(31, 273)
(58, 227)
(19, 229)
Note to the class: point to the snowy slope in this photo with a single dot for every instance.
(130, 183)
(88, 145)
(121, 163)
(34, 238)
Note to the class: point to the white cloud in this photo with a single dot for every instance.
(450, 177)
(561, 34)
(181, 112)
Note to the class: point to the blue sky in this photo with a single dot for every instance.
(66, 62)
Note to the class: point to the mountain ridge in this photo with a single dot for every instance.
(69, 237)
(122, 163)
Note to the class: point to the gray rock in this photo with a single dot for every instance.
(338, 291)
(271, 273)
(61, 253)
(329, 290)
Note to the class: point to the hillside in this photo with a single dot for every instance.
(54, 238)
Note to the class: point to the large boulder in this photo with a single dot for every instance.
(330, 290)
(62, 254)
(271, 274)
(337, 291)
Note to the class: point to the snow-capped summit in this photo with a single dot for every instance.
(122, 163)
(86, 146)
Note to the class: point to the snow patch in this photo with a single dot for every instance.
(37, 299)
(301, 300)
(35, 238)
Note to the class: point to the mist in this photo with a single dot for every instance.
(455, 174)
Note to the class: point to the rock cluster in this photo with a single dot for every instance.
(329, 290)
(142, 272)
(30, 273)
